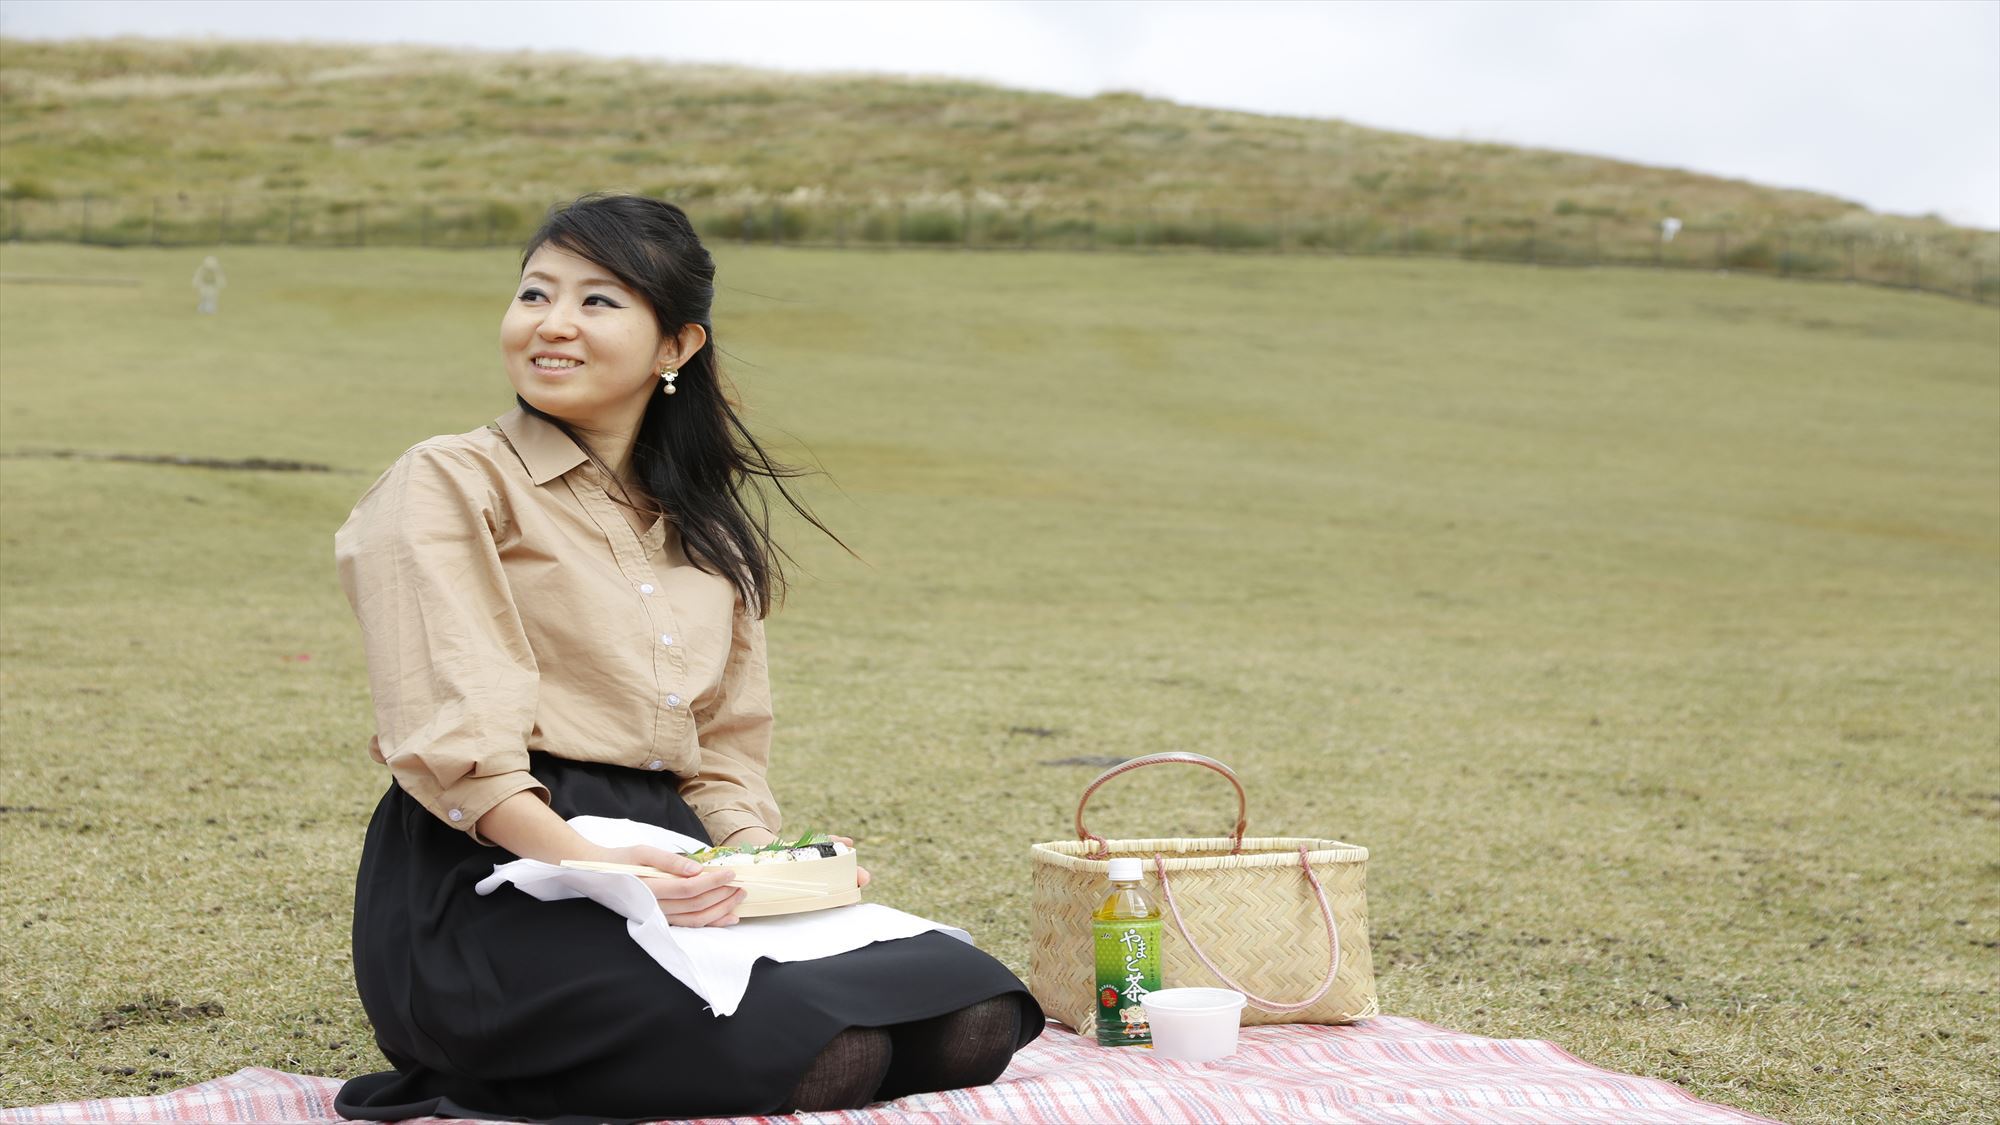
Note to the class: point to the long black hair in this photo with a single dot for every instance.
(696, 461)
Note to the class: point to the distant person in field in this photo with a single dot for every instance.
(208, 283)
(563, 616)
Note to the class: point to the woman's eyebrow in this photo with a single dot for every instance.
(584, 281)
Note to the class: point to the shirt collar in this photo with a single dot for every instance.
(545, 451)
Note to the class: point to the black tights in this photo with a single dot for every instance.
(968, 1047)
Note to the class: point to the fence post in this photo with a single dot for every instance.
(85, 236)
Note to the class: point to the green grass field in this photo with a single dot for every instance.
(1643, 625)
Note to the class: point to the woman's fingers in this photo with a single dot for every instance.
(720, 914)
(861, 875)
(697, 885)
(720, 896)
(674, 889)
(673, 863)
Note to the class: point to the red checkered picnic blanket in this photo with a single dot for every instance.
(1387, 1069)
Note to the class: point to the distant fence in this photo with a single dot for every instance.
(1962, 264)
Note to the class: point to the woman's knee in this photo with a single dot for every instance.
(845, 1074)
(968, 1047)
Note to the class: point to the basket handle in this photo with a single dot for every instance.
(1325, 910)
(1102, 850)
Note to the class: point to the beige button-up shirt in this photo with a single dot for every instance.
(507, 605)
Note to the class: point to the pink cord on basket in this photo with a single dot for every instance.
(1326, 911)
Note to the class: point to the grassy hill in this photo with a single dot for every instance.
(1643, 628)
(481, 141)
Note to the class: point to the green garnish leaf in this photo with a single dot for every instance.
(709, 855)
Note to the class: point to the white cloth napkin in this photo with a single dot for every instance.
(714, 961)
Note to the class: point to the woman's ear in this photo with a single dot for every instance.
(677, 349)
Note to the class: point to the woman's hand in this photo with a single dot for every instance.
(689, 894)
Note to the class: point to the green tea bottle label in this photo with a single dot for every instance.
(1128, 967)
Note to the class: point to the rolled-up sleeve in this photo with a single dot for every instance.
(449, 665)
(729, 791)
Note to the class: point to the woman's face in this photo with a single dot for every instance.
(581, 346)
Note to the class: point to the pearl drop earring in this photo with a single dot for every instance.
(667, 377)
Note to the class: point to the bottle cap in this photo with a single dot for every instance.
(1127, 870)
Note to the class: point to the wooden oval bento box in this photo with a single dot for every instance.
(794, 888)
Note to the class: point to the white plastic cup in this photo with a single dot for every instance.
(1193, 1024)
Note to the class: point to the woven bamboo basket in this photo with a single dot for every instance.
(1282, 919)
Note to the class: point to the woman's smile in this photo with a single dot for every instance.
(551, 364)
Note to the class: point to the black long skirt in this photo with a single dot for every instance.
(505, 1007)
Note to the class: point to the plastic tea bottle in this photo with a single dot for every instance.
(1126, 934)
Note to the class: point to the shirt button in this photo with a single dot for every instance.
(645, 587)
(656, 764)
(456, 814)
(666, 638)
(673, 700)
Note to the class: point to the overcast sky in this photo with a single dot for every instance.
(1893, 104)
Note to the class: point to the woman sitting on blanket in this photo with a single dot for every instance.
(563, 614)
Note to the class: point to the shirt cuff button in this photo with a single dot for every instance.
(656, 764)
(456, 814)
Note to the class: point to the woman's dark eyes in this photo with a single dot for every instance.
(608, 302)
